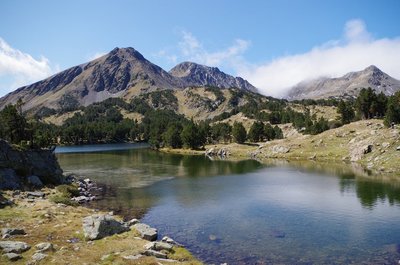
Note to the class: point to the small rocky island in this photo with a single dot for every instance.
(43, 219)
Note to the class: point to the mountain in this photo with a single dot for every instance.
(201, 75)
(123, 73)
(348, 85)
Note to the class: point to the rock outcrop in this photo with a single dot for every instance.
(100, 226)
(20, 168)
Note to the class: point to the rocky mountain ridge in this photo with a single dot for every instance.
(124, 73)
(201, 75)
(347, 86)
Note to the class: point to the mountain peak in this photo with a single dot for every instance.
(346, 86)
(128, 52)
(202, 75)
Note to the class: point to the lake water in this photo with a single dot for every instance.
(247, 212)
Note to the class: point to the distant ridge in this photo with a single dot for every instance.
(346, 86)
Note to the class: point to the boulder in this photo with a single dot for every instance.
(43, 247)
(38, 256)
(146, 232)
(280, 149)
(12, 256)
(17, 165)
(35, 181)
(35, 194)
(170, 241)
(7, 232)
(99, 226)
(132, 222)
(14, 246)
(153, 253)
(9, 179)
(158, 246)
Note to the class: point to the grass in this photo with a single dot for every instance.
(44, 221)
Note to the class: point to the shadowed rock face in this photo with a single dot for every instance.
(201, 75)
(123, 72)
(17, 166)
(348, 85)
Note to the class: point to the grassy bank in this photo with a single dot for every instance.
(61, 225)
(347, 144)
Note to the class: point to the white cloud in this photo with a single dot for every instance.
(20, 68)
(355, 51)
(96, 55)
(192, 50)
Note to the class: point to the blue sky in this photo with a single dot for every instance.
(273, 44)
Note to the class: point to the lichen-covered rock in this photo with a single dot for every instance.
(99, 226)
(43, 247)
(14, 246)
(12, 256)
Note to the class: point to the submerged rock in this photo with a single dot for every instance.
(99, 226)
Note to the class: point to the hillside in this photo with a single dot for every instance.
(122, 73)
(346, 86)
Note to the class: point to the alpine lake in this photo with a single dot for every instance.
(247, 212)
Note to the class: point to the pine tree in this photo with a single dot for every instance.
(239, 132)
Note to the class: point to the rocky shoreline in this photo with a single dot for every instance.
(45, 218)
(27, 213)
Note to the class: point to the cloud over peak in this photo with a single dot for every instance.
(21, 68)
(354, 51)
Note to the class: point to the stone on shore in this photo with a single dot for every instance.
(12, 256)
(154, 253)
(7, 232)
(146, 232)
(158, 246)
(100, 226)
(43, 247)
(38, 256)
(14, 246)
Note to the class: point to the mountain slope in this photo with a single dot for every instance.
(201, 75)
(123, 72)
(348, 85)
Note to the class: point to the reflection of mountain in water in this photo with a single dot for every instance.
(370, 192)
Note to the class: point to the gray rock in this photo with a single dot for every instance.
(169, 240)
(35, 181)
(35, 194)
(146, 232)
(99, 226)
(38, 256)
(398, 148)
(7, 232)
(280, 149)
(81, 199)
(12, 256)
(43, 247)
(14, 246)
(385, 145)
(133, 257)
(154, 253)
(9, 179)
(132, 222)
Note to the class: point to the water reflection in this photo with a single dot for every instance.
(251, 213)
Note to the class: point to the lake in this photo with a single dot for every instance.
(247, 212)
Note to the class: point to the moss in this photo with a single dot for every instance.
(68, 190)
(62, 198)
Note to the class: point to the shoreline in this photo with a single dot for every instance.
(366, 145)
(62, 226)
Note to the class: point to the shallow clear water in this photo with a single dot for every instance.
(249, 213)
